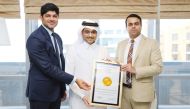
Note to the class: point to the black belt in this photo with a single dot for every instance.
(127, 85)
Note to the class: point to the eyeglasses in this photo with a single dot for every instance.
(93, 32)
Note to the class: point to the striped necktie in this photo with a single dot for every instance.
(129, 61)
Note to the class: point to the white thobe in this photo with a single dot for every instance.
(79, 62)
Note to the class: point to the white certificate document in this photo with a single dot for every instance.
(106, 88)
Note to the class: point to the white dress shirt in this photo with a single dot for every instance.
(136, 44)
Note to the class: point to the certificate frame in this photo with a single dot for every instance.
(106, 89)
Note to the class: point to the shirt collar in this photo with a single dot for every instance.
(136, 40)
(48, 30)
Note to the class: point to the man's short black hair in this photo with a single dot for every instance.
(133, 15)
(49, 7)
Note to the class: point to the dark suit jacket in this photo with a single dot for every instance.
(46, 80)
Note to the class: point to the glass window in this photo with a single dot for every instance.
(188, 48)
(108, 31)
(188, 57)
(12, 63)
(174, 56)
(14, 37)
(119, 31)
(188, 36)
(175, 76)
(174, 36)
(174, 48)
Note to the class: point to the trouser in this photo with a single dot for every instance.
(44, 105)
(128, 103)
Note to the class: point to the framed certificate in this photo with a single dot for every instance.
(106, 85)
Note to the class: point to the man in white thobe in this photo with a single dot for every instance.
(79, 61)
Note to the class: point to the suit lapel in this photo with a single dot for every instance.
(48, 38)
(46, 34)
(139, 48)
(123, 47)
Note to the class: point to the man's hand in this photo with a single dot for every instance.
(86, 101)
(128, 68)
(64, 96)
(83, 85)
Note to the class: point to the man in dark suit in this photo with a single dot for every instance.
(47, 78)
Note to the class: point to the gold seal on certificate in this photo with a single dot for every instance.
(106, 85)
(107, 81)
